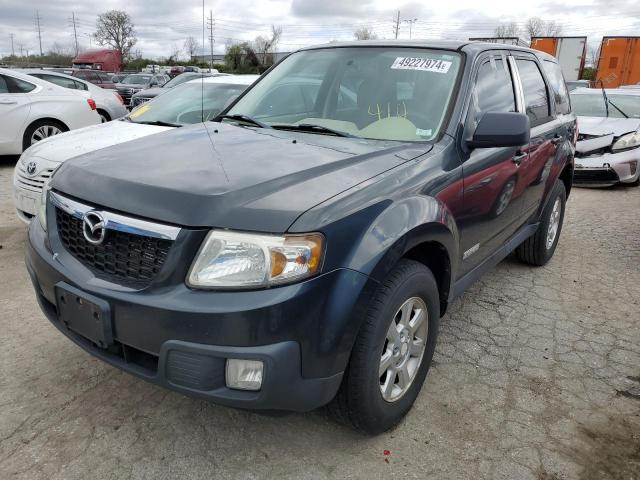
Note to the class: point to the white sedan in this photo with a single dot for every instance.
(32, 109)
(185, 104)
(109, 104)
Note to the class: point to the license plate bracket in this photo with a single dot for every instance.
(84, 314)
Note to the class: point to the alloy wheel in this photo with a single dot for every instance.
(403, 349)
(43, 132)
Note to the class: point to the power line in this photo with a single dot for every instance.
(410, 22)
(397, 27)
(39, 32)
(74, 22)
(13, 52)
(211, 26)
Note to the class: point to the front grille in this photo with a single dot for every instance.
(123, 258)
(595, 176)
(35, 183)
(138, 101)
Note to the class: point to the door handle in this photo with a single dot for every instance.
(7, 101)
(556, 139)
(518, 157)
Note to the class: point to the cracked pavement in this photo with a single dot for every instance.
(536, 376)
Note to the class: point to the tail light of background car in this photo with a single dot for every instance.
(92, 103)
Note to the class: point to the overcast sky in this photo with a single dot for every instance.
(163, 25)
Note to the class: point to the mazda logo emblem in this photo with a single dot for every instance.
(31, 168)
(93, 227)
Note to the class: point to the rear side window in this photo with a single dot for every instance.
(104, 78)
(560, 93)
(61, 81)
(492, 92)
(4, 88)
(14, 85)
(535, 92)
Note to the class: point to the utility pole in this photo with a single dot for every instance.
(13, 52)
(211, 26)
(410, 22)
(397, 27)
(21, 48)
(75, 32)
(39, 32)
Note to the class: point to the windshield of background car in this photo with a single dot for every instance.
(592, 105)
(372, 92)
(183, 104)
(182, 78)
(136, 79)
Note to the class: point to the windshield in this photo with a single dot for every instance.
(183, 104)
(184, 77)
(378, 93)
(136, 79)
(593, 105)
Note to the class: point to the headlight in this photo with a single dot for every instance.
(246, 260)
(42, 207)
(630, 140)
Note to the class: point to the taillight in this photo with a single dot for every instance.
(92, 103)
(119, 98)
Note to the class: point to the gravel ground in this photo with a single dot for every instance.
(536, 376)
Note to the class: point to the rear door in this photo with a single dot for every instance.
(14, 112)
(491, 210)
(547, 133)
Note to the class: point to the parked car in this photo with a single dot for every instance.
(118, 77)
(183, 105)
(608, 148)
(101, 79)
(136, 82)
(32, 110)
(572, 85)
(149, 93)
(302, 249)
(175, 71)
(109, 104)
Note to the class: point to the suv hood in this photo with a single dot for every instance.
(220, 175)
(84, 140)
(605, 126)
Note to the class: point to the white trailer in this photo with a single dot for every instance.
(570, 52)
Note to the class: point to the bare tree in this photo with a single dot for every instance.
(175, 53)
(552, 29)
(535, 27)
(593, 55)
(364, 34)
(264, 47)
(115, 29)
(190, 47)
(507, 30)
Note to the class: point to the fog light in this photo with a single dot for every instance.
(244, 374)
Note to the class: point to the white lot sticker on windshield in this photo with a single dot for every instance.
(424, 64)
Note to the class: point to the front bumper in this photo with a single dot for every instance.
(607, 169)
(179, 338)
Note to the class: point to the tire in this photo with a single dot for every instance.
(538, 248)
(104, 116)
(51, 126)
(360, 402)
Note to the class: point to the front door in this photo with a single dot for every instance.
(14, 112)
(491, 210)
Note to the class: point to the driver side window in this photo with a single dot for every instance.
(492, 92)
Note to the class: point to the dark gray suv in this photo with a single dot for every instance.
(139, 81)
(301, 249)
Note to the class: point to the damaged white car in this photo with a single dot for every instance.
(608, 148)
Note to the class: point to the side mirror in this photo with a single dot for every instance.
(153, 83)
(501, 129)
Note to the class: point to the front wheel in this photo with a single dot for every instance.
(540, 247)
(393, 351)
(39, 131)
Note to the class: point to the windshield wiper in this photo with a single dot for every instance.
(159, 123)
(312, 128)
(617, 108)
(243, 118)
